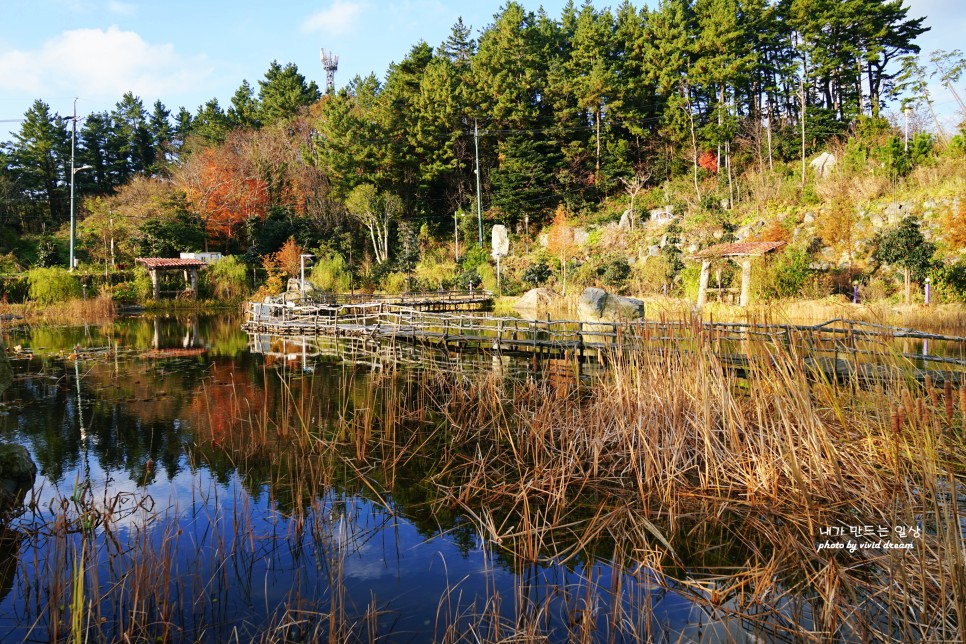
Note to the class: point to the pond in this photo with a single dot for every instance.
(176, 499)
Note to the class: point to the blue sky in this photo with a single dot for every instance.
(185, 53)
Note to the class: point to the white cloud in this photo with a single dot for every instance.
(122, 8)
(339, 18)
(93, 63)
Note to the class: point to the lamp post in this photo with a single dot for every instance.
(73, 219)
(73, 171)
(928, 283)
(855, 292)
(302, 265)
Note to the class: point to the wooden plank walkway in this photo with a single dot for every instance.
(841, 349)
(438, 301)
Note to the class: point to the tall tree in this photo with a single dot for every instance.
(137, 152)
(376, 211)
(38, 159)
(284, 92)
(244, 108)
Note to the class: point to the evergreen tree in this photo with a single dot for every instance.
(284, 93)
(244, 108)
(38, 159)
(162, 137)
(135, 144)
(211, 124)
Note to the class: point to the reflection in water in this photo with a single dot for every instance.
(176, 477)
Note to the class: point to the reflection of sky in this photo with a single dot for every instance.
(238, 561)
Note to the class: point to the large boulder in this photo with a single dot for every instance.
(597, 305)
(538, 300)
(823, 164)
(17, 474)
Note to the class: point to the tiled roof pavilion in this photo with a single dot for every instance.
(741, 250)
(157, 265)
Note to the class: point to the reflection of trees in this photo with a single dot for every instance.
(133, 410)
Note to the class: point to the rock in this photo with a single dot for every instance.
(653, 251)
(662, 216)
(543, 239)
(823, 164)
(17, 474)
(597, 305)
(895, 211)
(538, 300)
(294, 286)
(627, 220)
(500, 241)
(809, 218)
(581, 236)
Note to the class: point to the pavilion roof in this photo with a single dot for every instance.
(173, 263)
(739, 249)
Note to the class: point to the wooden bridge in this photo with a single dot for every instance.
(842, 349)
(469, 300)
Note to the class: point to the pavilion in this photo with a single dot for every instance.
(158, 265)
(741, 253)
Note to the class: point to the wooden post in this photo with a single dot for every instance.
(745, 281)
(155, 286)
(703, 282)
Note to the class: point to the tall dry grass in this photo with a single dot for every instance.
(671, 469)
(97, 309)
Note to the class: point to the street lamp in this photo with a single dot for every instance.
(73, 220)
(73, 171)
(302, 265)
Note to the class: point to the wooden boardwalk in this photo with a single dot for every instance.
(841, 349)
(438, 301)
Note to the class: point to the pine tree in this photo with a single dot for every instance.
(284, 93)
(39, 161)
(244, 108)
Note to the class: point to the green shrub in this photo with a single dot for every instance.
(949, 281)
(52, 285)
(536, 274)
(690, 277)
(615, 273)
(226, 278)
(331, 275)
(395, 282)
(434, 270)
(651, 275)
(786, 275)
(137, 290)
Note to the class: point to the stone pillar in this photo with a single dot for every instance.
(703, 282)
(194, 282)
(155, 284)
(745, 281)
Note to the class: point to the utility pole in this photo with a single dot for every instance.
(456, 233)
(73, 137)
(479, 202)
(73, 171)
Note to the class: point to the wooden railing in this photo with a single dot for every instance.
(846, 345)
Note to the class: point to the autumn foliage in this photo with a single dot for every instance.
(709, 161)
(223, 190)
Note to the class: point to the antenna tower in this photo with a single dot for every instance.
(330, 63)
